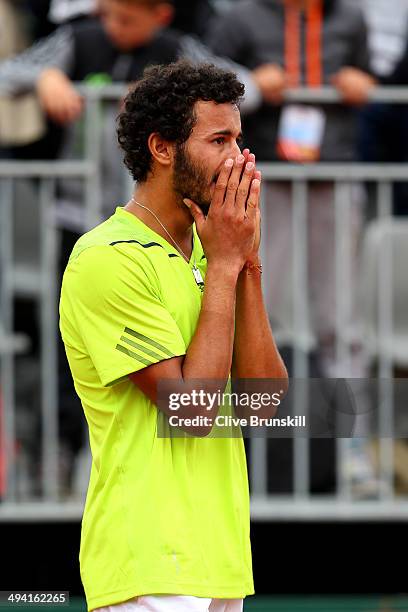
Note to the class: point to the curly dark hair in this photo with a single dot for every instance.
(163, 102)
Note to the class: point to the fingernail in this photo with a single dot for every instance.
(240, 159)
(249, 166)
(229, 163)
(187, 203)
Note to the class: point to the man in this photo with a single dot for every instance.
(146, 297)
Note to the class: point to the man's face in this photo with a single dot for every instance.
(215, 137)
(132, 25)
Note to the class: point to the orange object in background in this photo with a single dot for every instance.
(301, 129)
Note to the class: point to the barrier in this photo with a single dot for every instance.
(39, 282)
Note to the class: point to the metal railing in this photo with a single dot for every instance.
(299, 506)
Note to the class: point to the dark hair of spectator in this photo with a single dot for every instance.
(163, 102)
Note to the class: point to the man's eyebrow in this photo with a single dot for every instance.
(227, 133)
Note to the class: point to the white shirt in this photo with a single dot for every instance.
(387, 22)
(63, 10)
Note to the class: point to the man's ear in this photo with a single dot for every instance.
(164, 14)
(161, 150)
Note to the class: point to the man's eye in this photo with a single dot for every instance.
(219, 140)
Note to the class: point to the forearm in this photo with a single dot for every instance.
(209, 355)
(207, 364)
(255, 353)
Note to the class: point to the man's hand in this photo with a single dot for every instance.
(353, 85)
(228, 232)
(58, 97)
(271, 80)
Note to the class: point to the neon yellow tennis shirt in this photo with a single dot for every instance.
(162, 515)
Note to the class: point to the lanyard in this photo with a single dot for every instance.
(314, 22)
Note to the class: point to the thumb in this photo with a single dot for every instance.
(195, 211)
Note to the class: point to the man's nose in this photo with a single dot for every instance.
(235, 151)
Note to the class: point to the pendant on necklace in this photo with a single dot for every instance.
(197, 276)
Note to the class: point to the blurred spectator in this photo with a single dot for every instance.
(310, 43)
(21, 120)
(383, 128)
(399, 75)
(24, 131)
(190, 17)
(387, 32)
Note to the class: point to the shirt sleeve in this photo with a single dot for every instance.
(360, 52)
(21, 72)
(118, 312)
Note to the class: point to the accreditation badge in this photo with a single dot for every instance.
(300, 133)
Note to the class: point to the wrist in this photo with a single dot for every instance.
(253, 260)
(228, 271)
(252, 268)
(48, 73)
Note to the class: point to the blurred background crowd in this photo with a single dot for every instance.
(49, 47)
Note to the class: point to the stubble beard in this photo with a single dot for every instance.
(190, 179)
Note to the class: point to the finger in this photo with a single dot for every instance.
(248, 156)
(258, 175)
(244, 187)
(63, 109)
(75, 103)
(196, 212)
(234, 181)
(76, 112)
(69, 113)
(221, 184)
(253, 199)
(57, 115)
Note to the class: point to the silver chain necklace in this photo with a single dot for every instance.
(196, 272)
